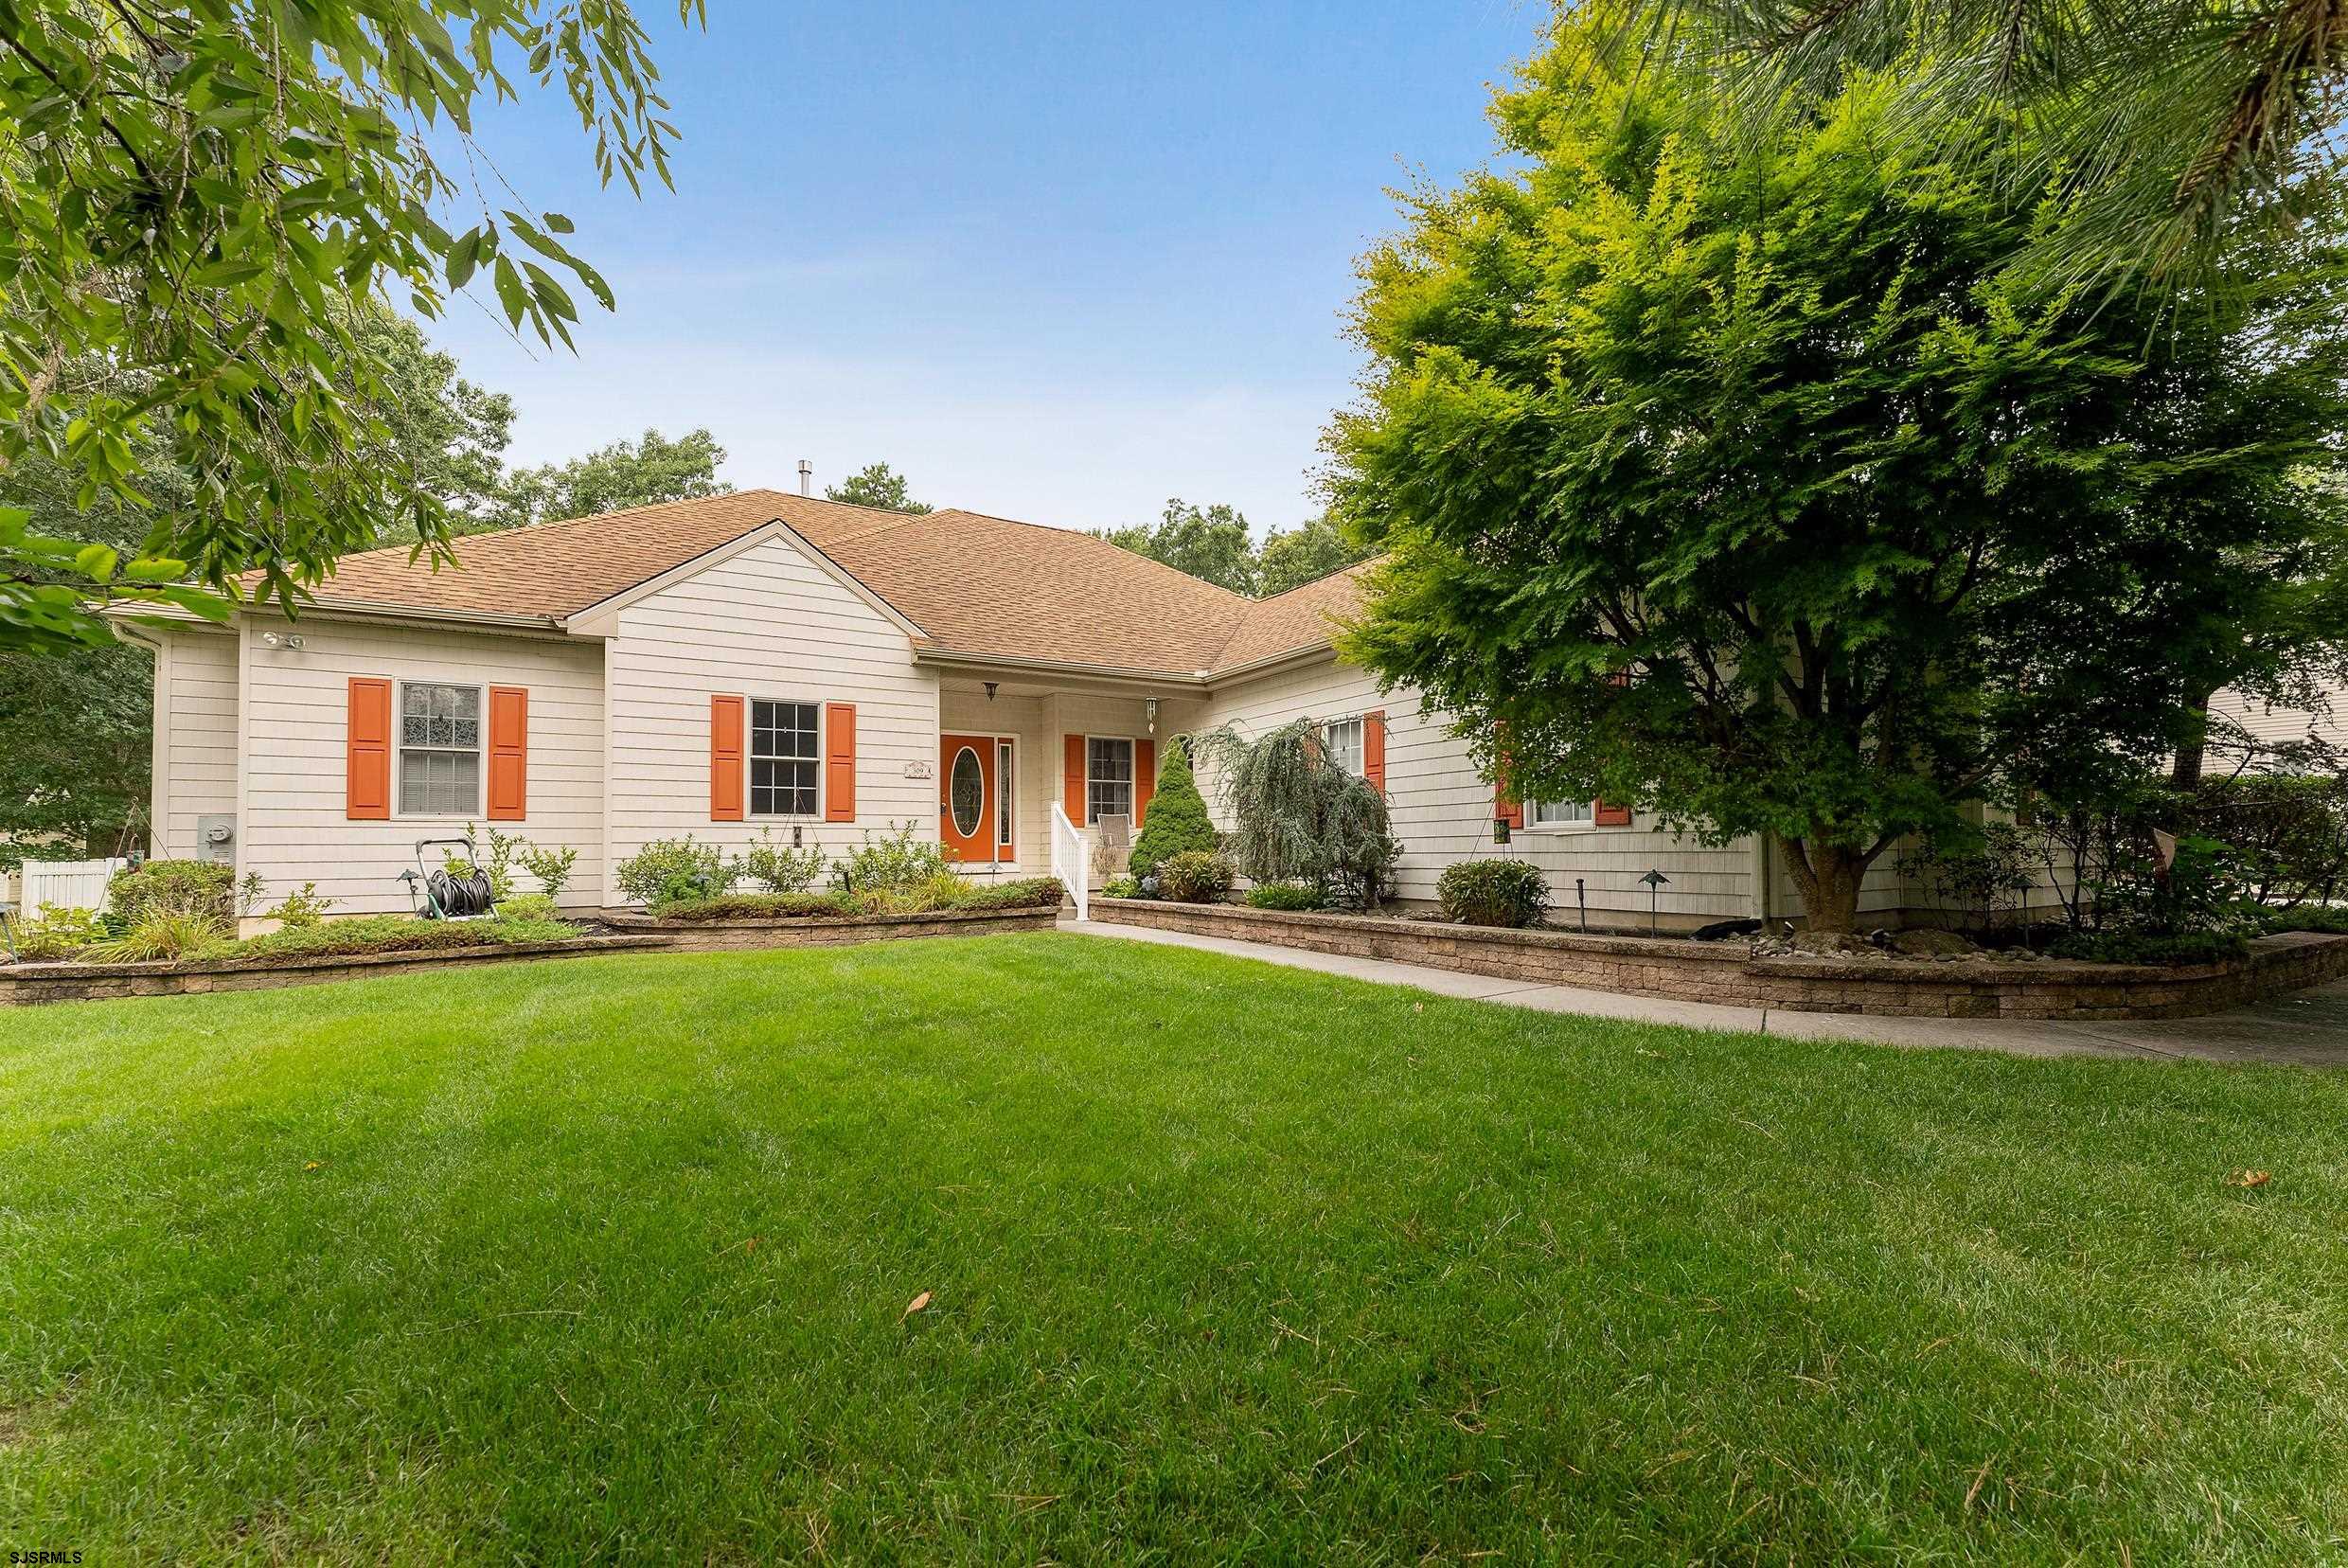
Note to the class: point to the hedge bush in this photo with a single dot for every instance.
(898, 862)
(2132, 946)
(1175, 822)
(204, 888)
(1283, 895)
(1122, 887)
(2328, 919)
(1197, 876)
(670, 870)
(56, 934)
(945, 892)
(387, 934)
(1491, 891)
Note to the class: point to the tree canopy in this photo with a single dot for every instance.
(877, 485)
(2162, 123)
(194, 202)
(1214, 542)
(626, 474)
(1745, 481)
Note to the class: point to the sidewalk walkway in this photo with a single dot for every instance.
(2308, 1029)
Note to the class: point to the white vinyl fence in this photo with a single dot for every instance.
(68, 884)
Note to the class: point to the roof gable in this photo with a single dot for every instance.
(987, 587)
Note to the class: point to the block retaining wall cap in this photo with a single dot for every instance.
(1725, 971)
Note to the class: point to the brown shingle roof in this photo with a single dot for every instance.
(1304, 616)
(985, 586)
(990, 586)
(560, 568)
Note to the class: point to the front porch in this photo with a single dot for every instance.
(1013, 743)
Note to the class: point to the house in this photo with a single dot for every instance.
(767, 661)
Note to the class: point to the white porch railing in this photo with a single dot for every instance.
(68, 884)
(1068, 857)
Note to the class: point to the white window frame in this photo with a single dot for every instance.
(1006, 799)
(401, 748)
(1132, 784)
(750, 760)
(1583, 824)
(1358, 724)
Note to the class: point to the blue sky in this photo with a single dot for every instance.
(1054, 261)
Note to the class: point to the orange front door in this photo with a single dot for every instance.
(966, 797)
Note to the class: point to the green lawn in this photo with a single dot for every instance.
(611, 1257)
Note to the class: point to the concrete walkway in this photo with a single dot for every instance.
(2308, 1029)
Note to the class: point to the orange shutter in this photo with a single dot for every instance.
(366, 773)
(725, 760)
(1145, 776)
(1072, 777)
(840, 762)
(1610, 816)
(1505, 806)
(1373, 749)
(509, 747)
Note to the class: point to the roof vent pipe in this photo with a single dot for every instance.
(807, 476)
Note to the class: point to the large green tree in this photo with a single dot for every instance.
(1293, 557)
(1744, 479)
(190, 199)
(2162, 123)
(626, 474)
(1208, 542)
(881, 486)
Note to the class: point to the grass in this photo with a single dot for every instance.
(613, 1256)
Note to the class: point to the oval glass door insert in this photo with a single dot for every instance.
(966, 792)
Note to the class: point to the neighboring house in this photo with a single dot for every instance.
(767, 660)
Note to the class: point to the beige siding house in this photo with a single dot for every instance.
(763, 660)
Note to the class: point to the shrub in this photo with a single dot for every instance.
(1283, 895)
(670, 870)
(1491, 891)
(895, 861)
(2135, 947)
(754, 906)
(2292, 828)
(1197, 876)
(56, 934)
(387, 934)
(2207, 889)
(173, 887)
(945, 892)
(528, 906)
(1175, 822)
(1122, 887)
(1026, 893)
(162, 933)
(778, 868)
(302, 908)
(550, 866)
(1300, 817)
(2329, 919)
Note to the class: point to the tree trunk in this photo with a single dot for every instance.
(1827, 877)
(2185, 774)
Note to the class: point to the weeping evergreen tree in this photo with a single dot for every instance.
(1299, 817)
(1177, 820)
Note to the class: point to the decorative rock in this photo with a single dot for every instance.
(1925, 942)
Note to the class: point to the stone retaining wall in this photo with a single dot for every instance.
(828, 931)
(25, 984)
(1725, 971)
